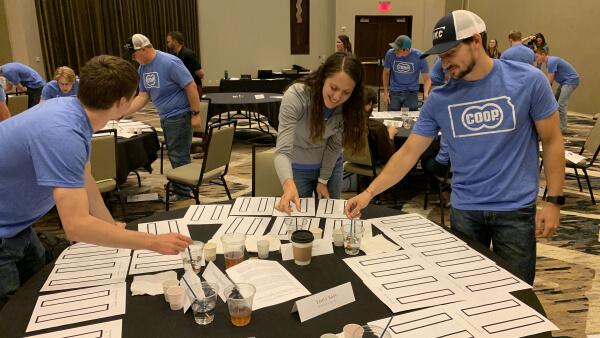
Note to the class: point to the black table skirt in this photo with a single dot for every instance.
(135, 152)
(245, 101)
(150, 316)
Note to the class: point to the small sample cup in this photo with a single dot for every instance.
(210, 252)
(263, 248)
(349, 330)
(176, 297)
(353, 234)
(367, 331)
(131, 131)
(233, 248)
(139, 130)
(239, 301)
(204, 301)
(166, 285)
(338, 237)
(317, 232)
(302, 242)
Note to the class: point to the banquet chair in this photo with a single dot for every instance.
(196, 141)
(104, 165)
(440, 183)
(265, 182)
(214, 165)
(17, 103)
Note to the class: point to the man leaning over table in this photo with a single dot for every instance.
(492, 113)
(46, 153)
(175, 96)
(25, 79)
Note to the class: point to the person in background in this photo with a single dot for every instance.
(401, 75)
(517, 51)
(4, 113)
(438, 166)
(49, 149)
(190, 59)
(65, 84)
(25, 79)
(438, 74)
(343, 44)
(321, 114)
(536, 41)
(492, 49)
(567, 78)
(381, 138)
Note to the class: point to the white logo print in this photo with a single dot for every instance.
(403, 67)
(438, 32)
(151, 80)
(496, 115)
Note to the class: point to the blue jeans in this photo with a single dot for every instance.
(512, 234)
(408, 98)
(306, 181)
(21, 257)
(178, 135)
(562, 95)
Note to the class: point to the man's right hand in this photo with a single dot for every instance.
(170, 244)
(290, 193)
(386, 99)
(356, 204)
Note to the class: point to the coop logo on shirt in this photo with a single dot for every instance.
(496, 115)
(151, 80)
(403, 67)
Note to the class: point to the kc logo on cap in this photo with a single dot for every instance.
(438, 32)
(482, 117)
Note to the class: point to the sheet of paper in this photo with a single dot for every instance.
(332, 224)
(487, 279)
(214, 275)
(142, 197)
(501, 315)
(431, 322)
(279, 287)
(207, 214)
(86, 274)
(249, 225)
(78, 306)
(259, 96)
(325, 301)
(112, 329)
(307, 208)
(414, 292)
(253, 206)
(330, 208)
(82, 252)
(280, 229)
(387, 265)
(145, 261)
(453, 257)
(165, 227)
(573, 157)
(320, 247)
(395, 123)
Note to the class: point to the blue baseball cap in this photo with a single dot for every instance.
(402, 42)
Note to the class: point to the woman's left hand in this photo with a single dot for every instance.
(322, 191)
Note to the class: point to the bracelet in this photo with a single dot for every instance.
(370, 192)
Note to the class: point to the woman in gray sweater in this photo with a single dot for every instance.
(321, 114)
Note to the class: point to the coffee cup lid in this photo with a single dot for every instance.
(302, 236)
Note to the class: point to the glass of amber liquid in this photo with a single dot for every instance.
(239, 301)
(233, 248)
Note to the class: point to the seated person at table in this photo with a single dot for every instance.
(49, 149)
(65, 84)
(381, 138)
(320, 114)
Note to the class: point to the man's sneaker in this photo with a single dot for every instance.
(176, 198)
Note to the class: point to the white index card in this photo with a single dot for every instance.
(165, 227)
(331, 208)
(207, 214)
(253, 206)
(86, 274)
(307, 208)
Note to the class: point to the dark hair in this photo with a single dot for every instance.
(353, 110)
(540, 35)
(177, 36)
(346, 42)
(105, 80)
(370, 97)
(483, 40)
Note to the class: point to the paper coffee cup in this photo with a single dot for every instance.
(302, 242)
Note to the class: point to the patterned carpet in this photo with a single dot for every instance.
(567, 283)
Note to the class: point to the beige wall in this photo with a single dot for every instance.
(569, 28)
(244, 36)
(6, 50)
(23, 34)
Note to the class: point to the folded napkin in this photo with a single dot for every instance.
(376, 245)
(274, 242)
(151, 284)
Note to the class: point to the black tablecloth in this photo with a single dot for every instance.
(254, 85)
(151, 316)
(245, 101)
(135, 152)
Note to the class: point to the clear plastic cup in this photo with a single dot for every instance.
(204, 301)
(353, 234)
(233, 248)
(192, 258)
(239, 301)
(262, 247)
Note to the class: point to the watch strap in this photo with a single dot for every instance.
(559, 200)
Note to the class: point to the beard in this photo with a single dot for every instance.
(460, 74)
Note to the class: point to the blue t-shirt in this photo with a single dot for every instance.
(2, 94)
(52, 90)
(437, 73)
(490, 131)
(564, 73)
(46, 146)
(17, 73)
(405, 69)
(519, 53)
(165, 79)
(442, 157)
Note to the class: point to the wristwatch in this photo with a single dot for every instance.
(558, 200)
(195, 112)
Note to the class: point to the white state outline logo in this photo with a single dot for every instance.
(399, 65)
(151, 76)
(478, 105)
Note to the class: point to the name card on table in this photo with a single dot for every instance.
(320, 247)
(214, 275)
(259, 96)
(191, 278)
(322, 302)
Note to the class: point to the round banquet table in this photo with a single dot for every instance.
(150, 316)
(245, 101)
